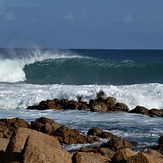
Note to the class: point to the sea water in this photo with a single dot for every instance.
(134, 77)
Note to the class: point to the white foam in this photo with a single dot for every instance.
(11, 69)
(20, 96)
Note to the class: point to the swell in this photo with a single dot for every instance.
(81, 71)
(13, 61)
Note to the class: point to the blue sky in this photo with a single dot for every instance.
(106, 24)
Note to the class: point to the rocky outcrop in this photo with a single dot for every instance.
(147, 112)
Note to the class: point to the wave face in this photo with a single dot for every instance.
(80, 67)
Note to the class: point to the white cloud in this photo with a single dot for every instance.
(70, 16)
(128, 18)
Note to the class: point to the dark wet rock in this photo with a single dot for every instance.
(106, 135)
(160, 140)
(94, 131)
(116, 143)
(72, 105)
(140, 110)
(156, 113)
(121, 107)
(93, 149)
(36, 125)
(83, 106)
(96, 106)
(110, 102)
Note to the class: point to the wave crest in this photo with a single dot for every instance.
(13, 61)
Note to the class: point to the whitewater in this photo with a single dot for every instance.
(28, 76)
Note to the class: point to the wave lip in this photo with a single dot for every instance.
(12, 63)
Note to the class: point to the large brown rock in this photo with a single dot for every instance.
(95, 131)
(28, 145)
(83, 157)
(110, 101)
(122, 155)
(116, 143)
(37, 151)
(121, 107)
(144, 158)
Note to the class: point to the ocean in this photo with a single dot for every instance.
(134, 77)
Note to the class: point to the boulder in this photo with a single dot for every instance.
(72, 105)
(121, 107)
(83, 106)
(53, 105)
(116, 143)
(45, 125)
(106, 135)
(140, 110)
(83, 157)
(29, 146)
(110, 102)
(38, 150)
(94, 131)
(96, 106)
(122, 155)
(144, 158)
(106, 152)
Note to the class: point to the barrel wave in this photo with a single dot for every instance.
(101, 67)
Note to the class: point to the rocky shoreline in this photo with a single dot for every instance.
(100, 104)
(42, 140)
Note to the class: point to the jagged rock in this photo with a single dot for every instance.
(122, 155)
(83, 157)
(28, 146)
(116, 143)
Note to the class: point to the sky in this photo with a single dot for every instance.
(92, 24)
